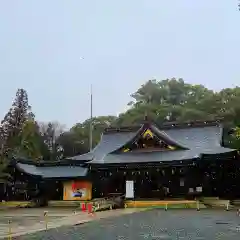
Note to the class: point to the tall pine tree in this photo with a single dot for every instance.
(13, 123)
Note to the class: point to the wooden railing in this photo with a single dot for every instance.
(108, 203)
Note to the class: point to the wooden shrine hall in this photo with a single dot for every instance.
(142, 162)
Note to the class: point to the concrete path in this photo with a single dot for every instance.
(32, 220)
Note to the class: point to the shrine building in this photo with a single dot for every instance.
(142, 162)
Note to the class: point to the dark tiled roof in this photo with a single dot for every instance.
(144, 157)
(154, 157)
(53, 172)
(196, 140)
(203, 138)
(113, 140)
(108, 143)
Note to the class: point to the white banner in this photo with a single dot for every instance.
(129, 189)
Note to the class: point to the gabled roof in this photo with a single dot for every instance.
(109, 142)
(192, 139)
(160, 134)
(113, 139)
(205, 137)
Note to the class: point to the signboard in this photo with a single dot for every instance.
(129, 189)
(77, 190)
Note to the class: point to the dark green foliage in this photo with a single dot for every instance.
(14, 121)
(12, 126)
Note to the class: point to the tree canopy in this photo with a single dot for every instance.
(163, 101)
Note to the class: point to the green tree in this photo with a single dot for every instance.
(13, 122)
(71, 144)
(11, 128)
(169, 100)
(50, 132)
(82, 130)
(166, 100)
(31, 145)
(170, 91)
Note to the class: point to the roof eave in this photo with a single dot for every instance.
(184, 162)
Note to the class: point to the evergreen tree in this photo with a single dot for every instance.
(31, 141)
(13, 122)
(50, 133)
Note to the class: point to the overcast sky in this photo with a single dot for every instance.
(56, 48)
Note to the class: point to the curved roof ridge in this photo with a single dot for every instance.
(108, 143)
(140, 130)
(111, 130)
(189, 124)
(165, 125)
(157, 131)
(167, 138)
(113, 139)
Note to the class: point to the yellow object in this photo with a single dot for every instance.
(237, 132)
(151, 203)
(166, 206)
(77, 191)
(148, 132)
(126, 150)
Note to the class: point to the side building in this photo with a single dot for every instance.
(142, 162)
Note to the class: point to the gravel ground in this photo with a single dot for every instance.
(28, 217)
(152, 224)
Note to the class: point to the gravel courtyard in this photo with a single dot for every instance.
(23, 218)
(152, 224)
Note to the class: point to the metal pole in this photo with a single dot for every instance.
(90, 127)
(45, 214)
(9, 230)
(198, 207)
